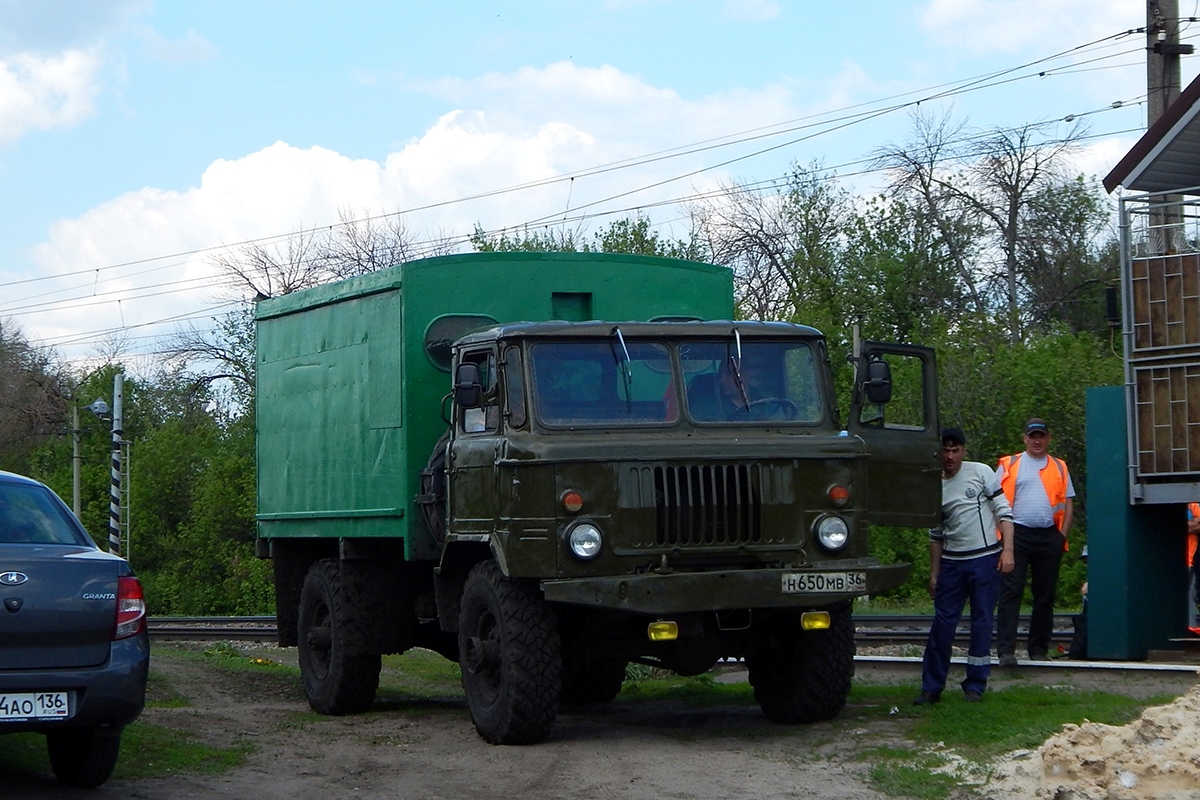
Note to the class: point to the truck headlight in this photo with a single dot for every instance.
(584, 540)
(832, 533)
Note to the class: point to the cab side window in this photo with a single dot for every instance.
(514, 382)
(486, 418)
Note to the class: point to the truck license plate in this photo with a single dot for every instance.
(34, 705)
(804, 582)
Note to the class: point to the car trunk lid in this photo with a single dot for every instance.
(59, 606)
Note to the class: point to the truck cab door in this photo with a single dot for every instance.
(474, 448)
(894, 410)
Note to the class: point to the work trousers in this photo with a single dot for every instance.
(1038, 553)
(976, 580)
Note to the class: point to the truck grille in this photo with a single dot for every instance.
(708, 505)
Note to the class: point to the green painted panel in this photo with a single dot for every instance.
(1137, 577)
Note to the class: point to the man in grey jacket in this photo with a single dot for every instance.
(966, 557)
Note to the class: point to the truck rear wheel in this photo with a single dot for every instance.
(802, 676)
(339, 676)
(509, 650)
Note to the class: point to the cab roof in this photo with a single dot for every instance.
(662, 329)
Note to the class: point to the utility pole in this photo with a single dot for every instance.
(1163, 51)
(1163, 78)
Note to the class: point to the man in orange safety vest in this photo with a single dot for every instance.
(1193, 538)
(1039, 489)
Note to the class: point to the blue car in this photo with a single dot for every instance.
(74, 651)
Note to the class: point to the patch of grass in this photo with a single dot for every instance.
(952, 744)
(146, 751)
(421, 673)
(698, 691)
(1022, 717)
(23, 753)
(896, 779)
(149, 750)
(161, 693)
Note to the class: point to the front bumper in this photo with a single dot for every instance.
(679, 592)
(111, 694)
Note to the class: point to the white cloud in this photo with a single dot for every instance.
(988, 26)
(528, 126)
(40, 93)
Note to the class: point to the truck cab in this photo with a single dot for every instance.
(677, 492)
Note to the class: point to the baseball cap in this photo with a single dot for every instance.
(953, 436)
(1036, 425)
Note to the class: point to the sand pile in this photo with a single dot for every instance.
(1155, 757)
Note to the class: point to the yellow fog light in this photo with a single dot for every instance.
(815, 620)
(664, 631)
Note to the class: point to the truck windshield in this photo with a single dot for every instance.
(769, 381)
(601, 383)
(594, 383)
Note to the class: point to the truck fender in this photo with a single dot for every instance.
(458, 557)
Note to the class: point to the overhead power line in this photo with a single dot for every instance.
(810, 127)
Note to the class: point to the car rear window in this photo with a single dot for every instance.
(32, 514)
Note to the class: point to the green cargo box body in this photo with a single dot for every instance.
(349, 401)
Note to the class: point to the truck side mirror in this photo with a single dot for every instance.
(468, 392)
(878, 385)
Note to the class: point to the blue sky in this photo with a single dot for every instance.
(152, 132)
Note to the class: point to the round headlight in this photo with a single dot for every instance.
(584, 540)
(832, 533)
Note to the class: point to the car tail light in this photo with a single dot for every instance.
(131, 608)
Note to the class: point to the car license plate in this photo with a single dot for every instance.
(34, 705)
(805, 582)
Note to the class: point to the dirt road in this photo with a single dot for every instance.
(406, 748)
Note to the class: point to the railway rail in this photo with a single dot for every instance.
(875, 636)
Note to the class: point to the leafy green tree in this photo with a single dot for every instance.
(636, 237)
(900, 281)
(34, 394)
(925, 174)
(631, 235)
(784, 247)
(556, 239)
(1067, 256)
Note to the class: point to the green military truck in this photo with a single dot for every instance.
(455, 454)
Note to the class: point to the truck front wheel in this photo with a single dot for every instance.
(339, 676)
(510, 653)
(802, 676)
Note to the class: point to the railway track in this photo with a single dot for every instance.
(885, 641)
(871, 630)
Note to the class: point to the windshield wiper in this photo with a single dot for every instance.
(626, 370)
(736, 365)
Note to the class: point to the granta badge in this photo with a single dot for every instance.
(12, 578)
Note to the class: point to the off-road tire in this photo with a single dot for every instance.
(339, 676)
(84, 757)
(510, 654)
(596, 681)
(802, 676)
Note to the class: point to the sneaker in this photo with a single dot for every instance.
(1008, 660)
(972, 695)
(926, 698)
(1038, 655)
